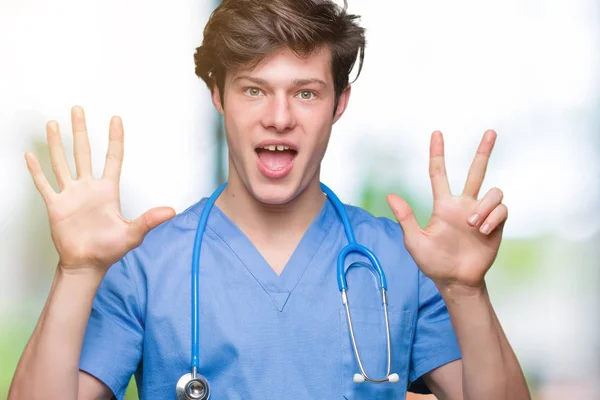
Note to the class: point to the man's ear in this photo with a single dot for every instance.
(216, 97)
(342, 103)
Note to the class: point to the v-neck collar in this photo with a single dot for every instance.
(278, 287)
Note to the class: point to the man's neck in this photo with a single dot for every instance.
(266, 222)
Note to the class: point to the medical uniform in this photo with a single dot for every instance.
(264, 336)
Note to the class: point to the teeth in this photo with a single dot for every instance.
(276, 147)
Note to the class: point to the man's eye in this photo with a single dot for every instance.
(253, 92)
(306, 95)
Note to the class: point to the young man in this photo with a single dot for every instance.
(271, 322)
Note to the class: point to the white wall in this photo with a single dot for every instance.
(133, 59)
(528, 69)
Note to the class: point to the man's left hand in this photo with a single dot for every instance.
(461, 240)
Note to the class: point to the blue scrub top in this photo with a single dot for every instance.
(265, 336)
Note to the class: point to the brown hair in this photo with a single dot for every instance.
(241, 33)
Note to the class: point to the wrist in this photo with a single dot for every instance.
(87, 275)
(452, 291)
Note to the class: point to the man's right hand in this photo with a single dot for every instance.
(86, 224)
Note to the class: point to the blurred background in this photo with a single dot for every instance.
(527, 68)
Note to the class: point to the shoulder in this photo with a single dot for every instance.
(364, 222)
(187, 219)
(169, 238)
(172, 229)
(384, 237)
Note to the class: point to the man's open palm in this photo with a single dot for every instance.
(85, 216)
(455, 248)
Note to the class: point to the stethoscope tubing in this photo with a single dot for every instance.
(350, 248)
(196, 275)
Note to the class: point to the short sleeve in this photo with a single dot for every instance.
(434, 342)
(112, 346)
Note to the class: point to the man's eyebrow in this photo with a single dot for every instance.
(302, 82)
(257, 81)
(296, 82)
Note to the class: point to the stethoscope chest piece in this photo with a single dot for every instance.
(190, 388)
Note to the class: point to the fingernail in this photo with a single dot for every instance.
(474, 219)
(485, 229)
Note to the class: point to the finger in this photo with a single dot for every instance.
(437, 167)
(495, 220)
(406, 218)
(39, 179)
(489, 202)
(479, 164)
(81, 143)
(57, 155)
(114, 155)
(150, 219)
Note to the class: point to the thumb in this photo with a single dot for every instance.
(140, 226)
(406, 218)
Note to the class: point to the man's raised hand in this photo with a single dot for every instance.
(463, 236)
(86, 224)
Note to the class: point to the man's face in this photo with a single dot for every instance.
(278, 119)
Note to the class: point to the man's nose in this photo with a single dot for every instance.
(279, 114)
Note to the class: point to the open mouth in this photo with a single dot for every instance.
(275, 161)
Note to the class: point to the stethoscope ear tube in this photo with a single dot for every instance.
(354, 247)
(362, 377)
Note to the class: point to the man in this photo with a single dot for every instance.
(271, 322)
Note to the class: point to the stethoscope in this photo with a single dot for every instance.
(193, 386)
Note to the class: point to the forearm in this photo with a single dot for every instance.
(49, 366)
(490, 368)
(516, 385)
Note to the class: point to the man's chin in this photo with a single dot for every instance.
(274, 193)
